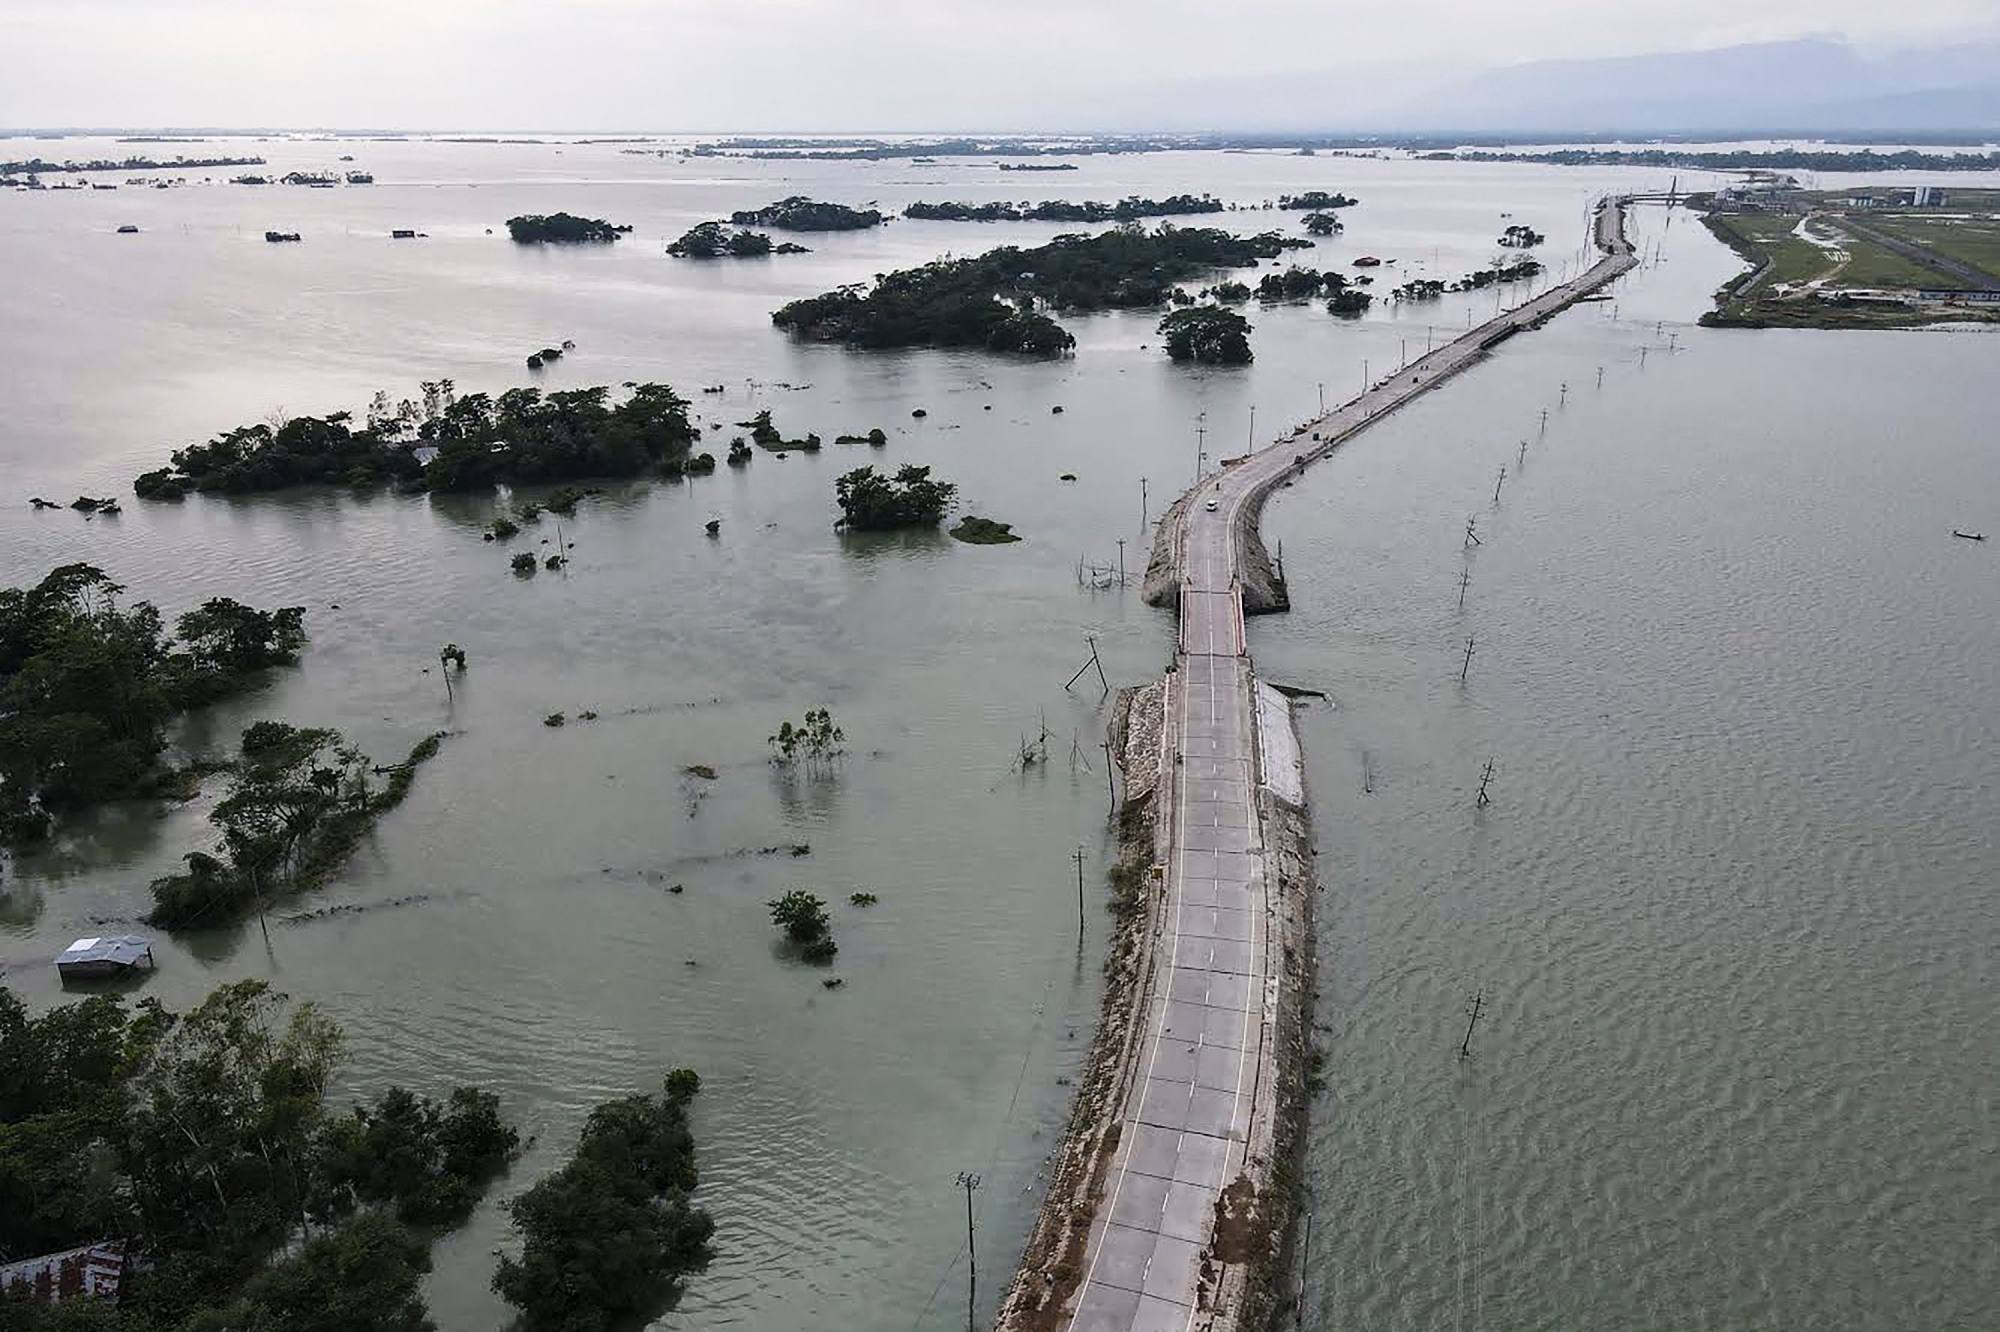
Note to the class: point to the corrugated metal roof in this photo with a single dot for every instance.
(122, 949)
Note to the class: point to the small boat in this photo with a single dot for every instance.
(1968, 536)
(103, 956)
(128, 230)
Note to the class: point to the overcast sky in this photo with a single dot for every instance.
(829, 64)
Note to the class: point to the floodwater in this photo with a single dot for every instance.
(1728, 903)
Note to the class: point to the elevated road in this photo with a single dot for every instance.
(1186, 1212)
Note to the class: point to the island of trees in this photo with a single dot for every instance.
(1430, 289)
(798, 213)
(1322, 223)
(1207, 334)
(1519, 237)
(522, 436)
(35, 166)
(992, 300)
(872, 502)
(713, 240)
(1061, 210)
(88, 686)
(1316, 201)
(562, 229)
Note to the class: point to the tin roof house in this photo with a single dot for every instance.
(103, 956)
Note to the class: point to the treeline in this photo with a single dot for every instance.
(1297, 284)
(203, 1142)
(1316, 200)
(522, 436)
(1742, 159)
(1061, 210)
(87, 688)
(1430, 289)
(798, 213)
(202, 1145)
(35, 166)
(992, 300)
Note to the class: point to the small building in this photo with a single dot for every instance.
(95, 1271)
(1960, 296)
(106, 955)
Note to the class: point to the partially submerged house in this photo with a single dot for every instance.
(104, 956)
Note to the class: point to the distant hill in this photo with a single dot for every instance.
(1799, 85)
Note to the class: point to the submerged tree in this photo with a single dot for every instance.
(609, 1237)
(1207, 334)
(817, 739)
(872, 502)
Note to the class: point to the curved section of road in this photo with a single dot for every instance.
(1200, 1122)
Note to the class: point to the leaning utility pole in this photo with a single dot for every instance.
(1473, 1008)
(1486, 777)
(1463, 668)
(969, 1183)
(1464, 581)
(1497, 484)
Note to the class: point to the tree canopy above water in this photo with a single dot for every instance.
(799, 213)
(1128, 209)
(562, 229)
(88, 686)
(523, 435)
(992, 300)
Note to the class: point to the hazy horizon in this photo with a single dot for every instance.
(805, 66)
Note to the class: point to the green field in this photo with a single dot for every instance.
(1776, 292)
(1974, 241)
(1767, 238)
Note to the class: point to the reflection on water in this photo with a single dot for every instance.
(512, 923)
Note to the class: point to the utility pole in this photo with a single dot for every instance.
(1600, 376)
(1497, 484)
(1471, 532)
(1545, 411)
(1473, 1008)
(1322, 398)
(1200, 445)
(1142, 504)
(969, 1183)
(1464, 581)
(1486, 777)
(1121, 555)
(1364, 374)
(1079, 896)
(1565, 395)
(1110, 786)
(1521, 457)
(1250, 445)
(1465, 667)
